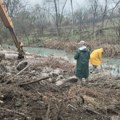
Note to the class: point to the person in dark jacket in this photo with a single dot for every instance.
(82, 66)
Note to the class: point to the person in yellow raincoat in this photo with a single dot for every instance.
(96, 58)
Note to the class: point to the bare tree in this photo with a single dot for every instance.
(14, 6)
(71, 1)
(104, 13)
(113, 14)
(59, 11)
(94, 9)
(40, 19)
(57, 17)
(94, 16)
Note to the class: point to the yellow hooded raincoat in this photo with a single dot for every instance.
(96, 57)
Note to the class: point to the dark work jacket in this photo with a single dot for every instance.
(82, 66)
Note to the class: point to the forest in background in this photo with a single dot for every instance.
(61, 21)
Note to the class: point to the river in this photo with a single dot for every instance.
(110, 65)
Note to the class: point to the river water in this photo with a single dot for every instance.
(110, 65)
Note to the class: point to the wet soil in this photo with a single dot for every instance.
(32, 94)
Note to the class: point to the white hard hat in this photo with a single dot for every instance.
(82, 42)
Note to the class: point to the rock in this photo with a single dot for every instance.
(56, 72)
(50, 80)
(58, 83)
(1, 102)
(63, 81)
(22, 65)
(44, 74)
(32, 72)
(47, 70)
(8, 74)
(59, 77)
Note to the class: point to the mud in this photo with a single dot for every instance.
(33, 94)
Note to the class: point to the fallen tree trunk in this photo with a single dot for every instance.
(63, 81)
(14, 55)
(31, 82)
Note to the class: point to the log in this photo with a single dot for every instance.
(50, 85)
(20, 71)
(11, 56)
(31, 82)
(63, 81)
(13, 111)
(14, 55)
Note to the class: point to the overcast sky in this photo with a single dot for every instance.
(76, 3)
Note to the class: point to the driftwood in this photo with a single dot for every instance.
(13, 111)
(47, 84)
(31, 82)
(93, 112)
(71, 106)
(63, 81)
(8, 54)
(20, 71)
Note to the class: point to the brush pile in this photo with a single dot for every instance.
(29, 91)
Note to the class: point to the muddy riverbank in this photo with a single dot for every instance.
(111, 49)
(32, 92)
